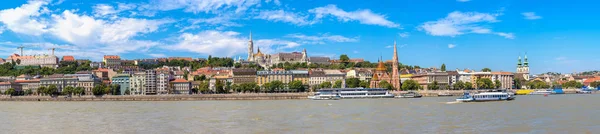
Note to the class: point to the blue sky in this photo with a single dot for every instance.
(558, 36)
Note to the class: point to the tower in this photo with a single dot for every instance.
(519, 65)
(395, 81)
(304, 56)
(525, 68)
(250, 48)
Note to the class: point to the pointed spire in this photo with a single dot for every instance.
(250, 35)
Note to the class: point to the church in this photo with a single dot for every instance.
(268, 60)
(380, 74)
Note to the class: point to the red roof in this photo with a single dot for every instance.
(179, 81)
(590, 80)
(68, 58)
(101, 70)
(111, 57)
(27, 81)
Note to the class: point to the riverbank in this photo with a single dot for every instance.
(260, 96)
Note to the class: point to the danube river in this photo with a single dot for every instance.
(526, 114)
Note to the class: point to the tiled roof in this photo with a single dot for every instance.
(179, 81)
(111, 57)
(68, 58)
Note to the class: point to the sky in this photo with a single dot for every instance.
(557, 36)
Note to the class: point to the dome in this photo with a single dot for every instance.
(381, 67)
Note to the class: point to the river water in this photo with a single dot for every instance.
(526, 114)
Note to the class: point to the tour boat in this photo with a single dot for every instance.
(409, 95)
(325, 97)
(486, 96)
(541, 92)
(444, 94)
(352, 93)
(584, 91)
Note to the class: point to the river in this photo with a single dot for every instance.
(526, 114)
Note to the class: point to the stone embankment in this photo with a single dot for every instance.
(260, 96)
(435, 93)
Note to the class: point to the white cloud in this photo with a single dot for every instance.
(101, 10)
(283, 16)
(205, 6)
(404, 35)
(531, 16)
(157, 55)
(364, 16)
(23, 19)
(463, 0)
(2, 28)
(506, 35)
(226, 43)
(451, 46)
(459, 23)
(389, 46)
(321, 38)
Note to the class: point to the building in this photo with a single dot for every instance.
(505, 78)
(50, 61)
(96, 65)
(60, 81)
(163, 76)
(123, 80)
(335, 75)
(355, 60)
(29, 84)
(104, 74)
(361, 74)
(523, 68)
(68, 58)
(150, 82)
(137, 83)
(266, 61)
(244, 75)
(442, 79)
(2, 61)
(4, 86)
(381, 73)
(300, 75)
(111, 61)
(263, 77)
(181, 86)
(320, 60)
(87, 81)
(316, 78)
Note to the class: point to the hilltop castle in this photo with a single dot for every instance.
(267, 60)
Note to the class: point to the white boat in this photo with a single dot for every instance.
(409, 95)
(444, 94)
(541, 92)
(351, 93)
(486, 96)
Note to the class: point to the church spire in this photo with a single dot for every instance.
(250, 48)
(526, 63)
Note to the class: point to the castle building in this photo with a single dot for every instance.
(50, 61)
(380, 74)
(266, 60)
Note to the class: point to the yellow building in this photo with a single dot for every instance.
(301, 75)
(263, 77)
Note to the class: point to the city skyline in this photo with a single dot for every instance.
(461, 34)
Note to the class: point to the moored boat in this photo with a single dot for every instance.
(442, 94)
(541, 92)
(524, 92)
(351, 93)
(409, 95)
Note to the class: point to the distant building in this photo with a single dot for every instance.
(112, 61)
(104, 74)
(150, 84)
(300, 75)
(123, 80)
(137, 82)
(263, 77)
(29, 84)
(361, 74)
(523, 68)
(163, 77)
(60, 81)
(181, 86)
(316, 78)
(506, 79)
(50, 61)
(244, 75)
(266, 60)
(145, 61)
(4, 86)
(68, 58)
(87, 81)
(320, 60)
(2, 61)
(335, 75)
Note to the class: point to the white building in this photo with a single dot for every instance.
(50, 61)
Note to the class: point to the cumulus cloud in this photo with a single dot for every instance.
(283, 16)
(531, 16)
(201, 6)
(506, 35)
(459, 23)
(321, 38)
(451, 46)
(363, 16)
(24, 19)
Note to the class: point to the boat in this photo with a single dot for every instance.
(351, 93)
(541, 92)
(409, 95)
(584, 91)
(558, 91)
(524, 92)
(486, 96)
(444, 94)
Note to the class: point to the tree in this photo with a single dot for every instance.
(41, 90)
(69, 90)
(338, 84)
(595, 84)
(277, 86)
(115, 89)
(443, 68)
(410, 85)
(79, 91)
(572, 84)
(98, 90)
(486, 70)
(297, 85)
(344, 58)
(459, 85)
(194, 90)
(203, 87)
(352, 82)
(517, 83)
(11, 92)
(386, 85)
(228, 86)
(468, 85)
(538, 84)
(364, 84)
(52, 90)
(433, 86)
(325, 85)
(28, 92)
(498, 84)
(484, 83)
(220, 87)
(127, 92)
